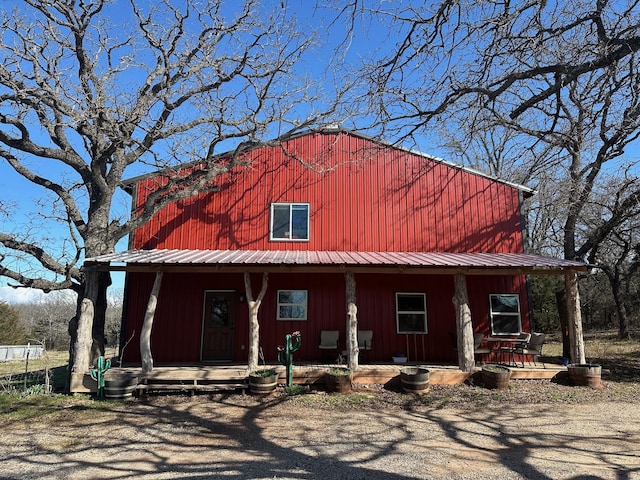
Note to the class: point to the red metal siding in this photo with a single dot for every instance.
(362, 197)
(177, 326)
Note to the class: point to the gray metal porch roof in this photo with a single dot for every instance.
(327, 261)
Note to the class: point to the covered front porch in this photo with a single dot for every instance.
(198, 378)
(458, 266)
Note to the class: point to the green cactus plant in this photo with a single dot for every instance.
(98, 374)
(285, 354)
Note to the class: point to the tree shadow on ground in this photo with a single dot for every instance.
(240, 438)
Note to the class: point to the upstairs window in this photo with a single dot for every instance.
(289, 221)
(411, 312)
(505, 314)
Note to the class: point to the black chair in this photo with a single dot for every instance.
(515, 346)
(532, 348)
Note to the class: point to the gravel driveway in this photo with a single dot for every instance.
(240, 437)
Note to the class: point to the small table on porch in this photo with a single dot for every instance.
(503, 345)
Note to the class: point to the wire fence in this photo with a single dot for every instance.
(32, 370)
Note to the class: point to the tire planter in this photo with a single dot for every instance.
(338, 382)
(585, 374)
(415, 380)
(263, 384)
(496, 377)
(120, 387)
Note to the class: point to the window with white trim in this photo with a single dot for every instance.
(289, 222)
(504, 310)
(411, 312)
(292, 304)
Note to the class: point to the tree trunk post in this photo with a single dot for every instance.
(147, 325)
(464, 326)
(99, 317)
(561, 303)
(352, 321)
(84, 338)
(254, 324)
(575, 318)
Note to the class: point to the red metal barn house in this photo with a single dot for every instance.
(428, 253)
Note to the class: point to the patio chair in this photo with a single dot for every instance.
(533, 348)
(365, 339)
(516, 346)
(365, 342)
(478, 338)
(329, 339)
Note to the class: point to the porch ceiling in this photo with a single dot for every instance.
(331, 261)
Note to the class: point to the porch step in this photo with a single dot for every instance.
(191, 386)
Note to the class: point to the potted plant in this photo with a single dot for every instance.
(414, 379)
(585, 374)
(399, 357)
(496, 376)
(338, 379)
(263, 382)
(121, 384)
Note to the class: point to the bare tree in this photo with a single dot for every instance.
(618, 255)
(556, 80)
(12, 330)
(48, 319)
(93, 90)
(512, 55)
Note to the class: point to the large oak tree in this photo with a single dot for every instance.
(546, 91)
(92, 91)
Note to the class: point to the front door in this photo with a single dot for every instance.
(218, 327)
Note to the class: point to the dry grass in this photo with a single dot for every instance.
(621, 358)
(20, 373)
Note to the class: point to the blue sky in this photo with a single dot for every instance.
(26, 202)
(370, 40)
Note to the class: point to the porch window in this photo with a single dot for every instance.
(505, 314)
(289, 221)
(411, 312)
(292, 304)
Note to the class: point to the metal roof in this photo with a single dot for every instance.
(305, 260)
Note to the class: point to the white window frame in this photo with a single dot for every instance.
(412, 312)
(494, 314)
(291, 206)
(305, 305)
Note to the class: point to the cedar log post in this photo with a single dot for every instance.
(574, 316)
(352, 321)
(464, 327)
(84, 338)
(147, 325)
(254, 325)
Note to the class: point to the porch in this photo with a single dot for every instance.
(401, 271)
(198, 378)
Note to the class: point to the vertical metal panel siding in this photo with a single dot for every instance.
(177, 326)
(362, 197)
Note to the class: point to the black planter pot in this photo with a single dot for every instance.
(120, 386)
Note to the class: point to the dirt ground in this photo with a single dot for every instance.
(369, 435)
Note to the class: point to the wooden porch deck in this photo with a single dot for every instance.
(210, 378)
